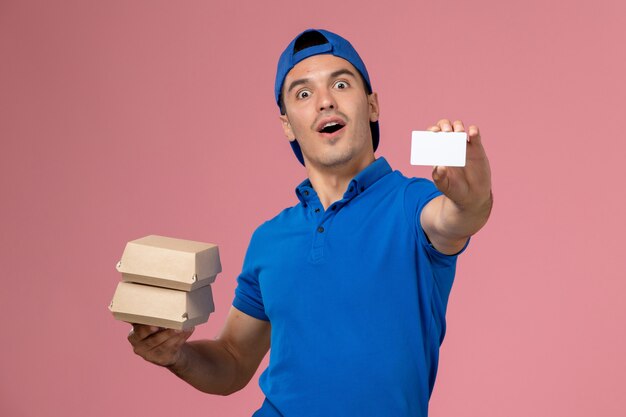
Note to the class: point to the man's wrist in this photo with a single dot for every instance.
(476, 206)
(181, 363)
(462, 222)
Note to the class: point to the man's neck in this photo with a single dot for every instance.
(330, 184)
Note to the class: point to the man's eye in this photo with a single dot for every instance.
(341, 85)
(303, 94)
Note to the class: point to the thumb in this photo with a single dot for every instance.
(185, 333)
(440, 178)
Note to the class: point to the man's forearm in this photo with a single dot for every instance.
(459, 223)
(208, 366)
(448, 225)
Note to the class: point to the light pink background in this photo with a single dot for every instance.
(120, 119)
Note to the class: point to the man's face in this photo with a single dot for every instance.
(328, 110)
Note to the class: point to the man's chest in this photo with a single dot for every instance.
(338, 264)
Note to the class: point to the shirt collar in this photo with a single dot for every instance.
(361, 182)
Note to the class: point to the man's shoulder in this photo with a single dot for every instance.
(412, 193)
(411, 186)
(285, 217)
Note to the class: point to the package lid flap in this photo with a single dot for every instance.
(156, 305)
(170, 259)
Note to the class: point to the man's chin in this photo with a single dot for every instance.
(334, 159)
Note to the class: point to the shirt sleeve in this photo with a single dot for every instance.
(419, 193)
(442, 267)
(248, 297)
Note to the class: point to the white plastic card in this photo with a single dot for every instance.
(438, 148)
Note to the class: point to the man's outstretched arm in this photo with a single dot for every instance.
(221, 366)
(449, 220)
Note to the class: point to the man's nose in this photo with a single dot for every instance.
(326, 100)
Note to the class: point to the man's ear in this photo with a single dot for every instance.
(287, 128)
(374, 108)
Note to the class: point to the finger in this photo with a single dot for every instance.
(185, 333)
(473, 134)
(434, 129)
(181, 337)
(167, 334)
(141, 331)
(166, 353)
(445, 125)
(142, 346)
(458, 126)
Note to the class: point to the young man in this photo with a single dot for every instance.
(351, 284)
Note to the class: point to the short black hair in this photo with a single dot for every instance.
(307, 40)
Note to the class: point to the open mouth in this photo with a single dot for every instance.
(331, 127)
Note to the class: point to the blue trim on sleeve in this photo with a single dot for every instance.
(248, 297)
(250, 310)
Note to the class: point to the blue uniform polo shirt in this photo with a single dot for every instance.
(356, 297)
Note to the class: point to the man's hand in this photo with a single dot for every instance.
(157, 345)
(451, 219)
(221, 366)
(468, 186)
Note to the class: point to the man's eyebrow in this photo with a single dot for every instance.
(335, 74)
(343, 71)
(296, 83)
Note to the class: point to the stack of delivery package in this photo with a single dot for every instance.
(166, 282)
